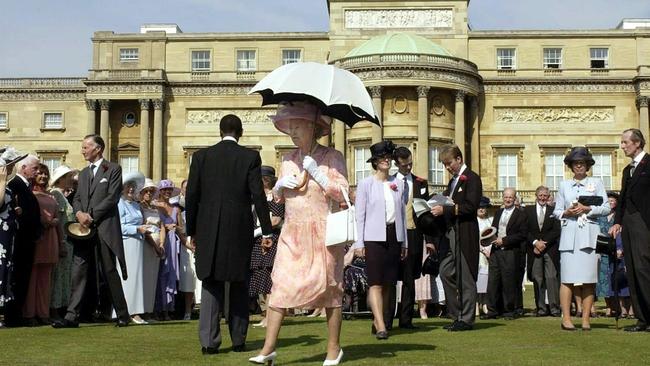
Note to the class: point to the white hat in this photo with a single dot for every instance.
(149, 183)
(59, 173)
(134, 177)
(10, 156)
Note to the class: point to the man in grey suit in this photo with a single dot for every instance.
(225, 180)
(95, 207)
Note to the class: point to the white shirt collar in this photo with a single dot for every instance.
(98, 162)
(462, 169)
(229, 138)
(540, 206)
(638, 158)
(401, 176)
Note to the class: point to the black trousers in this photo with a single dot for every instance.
(636, 247)
(504, 273)
(409, 271)
(23, 258)
(81, 258)
(213, 303)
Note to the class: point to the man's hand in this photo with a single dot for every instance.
(267, 243)
(615, 230)
(536, 251)
(403, 254)
(430, 248)
(84, 218)
(540, 246)
(498, 242)
(436, 211)
(190, 244)
(360, 252)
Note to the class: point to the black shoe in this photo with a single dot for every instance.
(381, 335)
(556, 314)
(122, 323)
(571, 329)
(239, 348)
(450, 325)
(65, 323)
(487, 317)
(636, 328)
(408, 326)
(508, 317)
(461, 326)
(209, 350)
(541, 313)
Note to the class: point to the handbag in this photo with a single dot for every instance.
(431, 265)
(341, 226)
(605, 245)
(590, 200)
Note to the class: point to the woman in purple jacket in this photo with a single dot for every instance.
(381, 230)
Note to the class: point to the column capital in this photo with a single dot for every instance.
(643, 101)
(104, 104)
(144, 104)
(91, 104)
(158, 103)
(375, 91)
(460, 96)
(423, 91)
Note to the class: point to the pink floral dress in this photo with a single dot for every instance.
(307, 274)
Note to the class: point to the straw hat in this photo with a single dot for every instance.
(60, 172)
(77, 231)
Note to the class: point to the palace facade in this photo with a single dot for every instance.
(515, 101)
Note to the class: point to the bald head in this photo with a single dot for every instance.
(509, 195)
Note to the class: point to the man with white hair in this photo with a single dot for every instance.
(29, 230)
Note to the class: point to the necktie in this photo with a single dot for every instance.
(540, 217)
(454, 183)
(633, 167)
(92, 172)
(406, 189)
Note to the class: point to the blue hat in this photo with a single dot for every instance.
(579, 153)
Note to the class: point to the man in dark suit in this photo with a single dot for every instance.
(225, 179)
(95, 206)
(632, 221)
(543, 257)
(29, 230)
(410, 267)
(503, 280)
(459, 244)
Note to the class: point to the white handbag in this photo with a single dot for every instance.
(341, 226)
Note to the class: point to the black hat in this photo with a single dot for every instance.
(383, 148)
(76, 231)
(484, 202)
(579, 153)
(268, 171)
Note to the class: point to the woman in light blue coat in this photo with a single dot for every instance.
(578, 258)
(381, 230)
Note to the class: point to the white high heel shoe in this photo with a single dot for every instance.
(336, 361)
(261, 359)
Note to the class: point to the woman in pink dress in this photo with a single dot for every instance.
(306, 274)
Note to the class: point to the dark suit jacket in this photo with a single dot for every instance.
(634, 192)
(99, 198)
(467, 195)
(516, 230)
(550, 233)
(29, 221)
(224, 180)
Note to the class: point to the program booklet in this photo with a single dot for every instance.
(421, 205)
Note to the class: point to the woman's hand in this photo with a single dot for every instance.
(142, 229)
(170, 227)
(360, 252)
(403, 254)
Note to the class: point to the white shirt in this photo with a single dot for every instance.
(409, 180)
(637, 159)
(390, 203)
(456, 178)
(96, 165)
(537, 208)
(229, 138)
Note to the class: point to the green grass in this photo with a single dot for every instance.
(529, 340)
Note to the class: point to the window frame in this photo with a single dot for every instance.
(513, 58)
(282, 58)
(607, 183)
(545, 61)
(605, 60)
(6, 121)
(129, 59)
(509, 152)
(555, 177)
(208, 60)
(366, 167)
(131, 154)
(237, 61)
(52, 154)
(435, 166)
(44, 126)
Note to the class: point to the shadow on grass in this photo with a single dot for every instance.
(380, 351)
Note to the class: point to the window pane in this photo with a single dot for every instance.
(554, 164)
(361, 168)
(290, 56)
(603, 168)
(51, 162)
(3, 120)
(128, 54)
(436, 168)
(507, 165)
(506, 58)
(552, 58)
(200, 60)
(599, 58)
(53, 120)
(246, 60)
(129, 164)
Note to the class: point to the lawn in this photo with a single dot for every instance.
(528, 340)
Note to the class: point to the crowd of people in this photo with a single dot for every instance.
(91, 243)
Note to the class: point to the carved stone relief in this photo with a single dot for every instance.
(399, 104)
(213, 116)
(11, 96)
(399, 18)
(124, 88)
(559, 88)
(438, 106)
(209, 90)
(433, 75)
(553, 115)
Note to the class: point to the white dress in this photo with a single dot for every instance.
(130, 219)
(187, 271)
(483, 261)
(578, 258)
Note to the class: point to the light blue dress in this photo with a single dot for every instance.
(578, 258)
(130, 219)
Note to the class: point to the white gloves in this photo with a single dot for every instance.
(257, 232)
(288, 181)
(310, 165)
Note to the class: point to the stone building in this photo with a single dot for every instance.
(515, 101)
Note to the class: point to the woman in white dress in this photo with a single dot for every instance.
(152, 251)
(187, 272)
(484, 222)
(133, 230)
(578, 258)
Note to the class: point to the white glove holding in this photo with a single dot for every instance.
(257, 232)
(310, 165)
(288, 181)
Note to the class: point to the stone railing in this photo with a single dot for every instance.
(27, 83)
(128, 74)
(245, 75)
(411, 58)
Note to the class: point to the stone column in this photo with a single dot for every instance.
(459, 127)
(644, 118)
(375, 93)
(144, 155)
(104, 127)
(474, 143)
(422, 152)
(91, 106)
(158, 139)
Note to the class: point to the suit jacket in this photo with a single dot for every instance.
(370, 209)
(225, 179)
(634, 192)
(466, 196)
(99, 197)
(516, 230)
(29, 221)
(550, 233)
